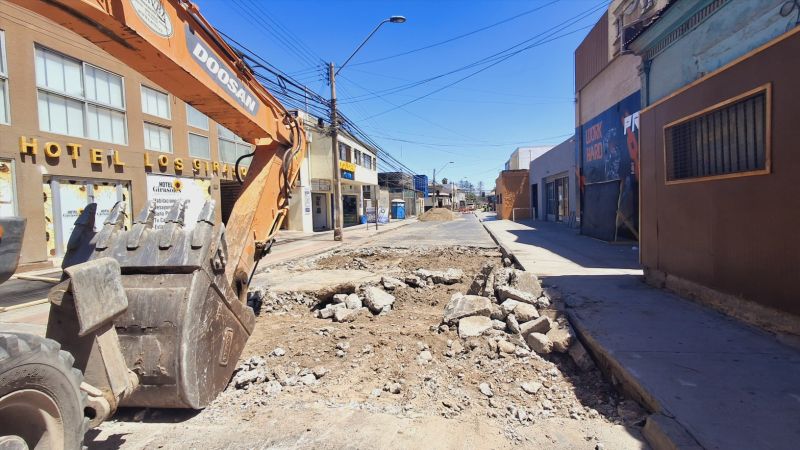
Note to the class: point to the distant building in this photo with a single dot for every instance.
(513, 195)
(554, 186)
(358, 164)
(402, 187)
(522, 157)
(719, 156)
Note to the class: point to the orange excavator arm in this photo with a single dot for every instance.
(171, 43)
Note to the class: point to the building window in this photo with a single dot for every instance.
(195, 118)
(357, 158)
(724, 141)
(5, 111)
(344, 150)
(367, 161)
(199, 146)
(78, 99)
(157, 137)
(231, 147)
(155, 103)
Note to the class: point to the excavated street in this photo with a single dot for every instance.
(350, 351)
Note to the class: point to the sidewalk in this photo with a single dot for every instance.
(715, 383)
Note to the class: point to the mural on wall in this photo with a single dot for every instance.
(609, 154)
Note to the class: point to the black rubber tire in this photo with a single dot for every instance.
(37, 364)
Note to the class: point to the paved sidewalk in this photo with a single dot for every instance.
(727, 385)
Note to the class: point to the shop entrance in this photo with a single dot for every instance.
(319, 215)
(350, 209)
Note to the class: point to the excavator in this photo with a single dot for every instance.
(145, 316)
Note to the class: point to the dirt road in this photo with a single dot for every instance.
(393, 380)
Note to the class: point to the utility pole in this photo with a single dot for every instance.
(337, 180)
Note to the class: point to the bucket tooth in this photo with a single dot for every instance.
(205, 225)
(144, 221)
(207, 213)
(114, 222)
(173, 225)
(177, 213)
(84, 226)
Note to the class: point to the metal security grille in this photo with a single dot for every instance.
(730, 139)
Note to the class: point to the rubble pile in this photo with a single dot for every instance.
(510, 307)
(255, 374)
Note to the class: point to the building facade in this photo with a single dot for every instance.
(553, 184)
(402, 188)
(513, 195)
(719, 154)
(607, 91)
(521, 157)
(358, 165)
(78, 126)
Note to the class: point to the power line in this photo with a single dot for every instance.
(499, 56)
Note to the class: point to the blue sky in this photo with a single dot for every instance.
(476, 123)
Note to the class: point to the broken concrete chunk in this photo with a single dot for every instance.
(391, 283)
(473, 326)
(497, 312)
(581, 357)
(539, 343)
(252, 376)
(414, 281)
(476, 288)
(508, 292)
(541, 325)
(449, 276)
(531, 387)
(525, 312)
(526, 282)
(461, 306)
(486, 389)
(353, 301)
(339, 298)
(509, 305)
(506, 347)
(377, 300)
(512, 324)
(498, 325)
(561, 338)
(328, 311)
(343, 315)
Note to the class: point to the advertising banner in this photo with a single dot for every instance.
(609, 156)
(166, 190)
(372, 215)
(383, 215)
(73, 196)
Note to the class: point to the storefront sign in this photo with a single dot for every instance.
(153, 14)
(372, 214)
(166, 190)
(307, 197)
(348, 166)
(55, 151)
(383, 215)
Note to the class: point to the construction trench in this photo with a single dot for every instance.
(414, 333)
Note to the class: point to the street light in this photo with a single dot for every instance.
(337, 184)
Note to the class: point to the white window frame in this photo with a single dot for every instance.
(237, 142)
(4, 78)
(188, 106)
(189, 144)
(171, 140)
(158, 91)
(84, 100)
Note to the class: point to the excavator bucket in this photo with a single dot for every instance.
(185, 327)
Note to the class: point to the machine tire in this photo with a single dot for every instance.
(40, 396)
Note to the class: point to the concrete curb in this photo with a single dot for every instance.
(660, 431)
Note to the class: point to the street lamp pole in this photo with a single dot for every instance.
(338, 219)
(434, 179)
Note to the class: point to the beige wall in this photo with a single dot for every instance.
(618, 80)
(23, 30)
